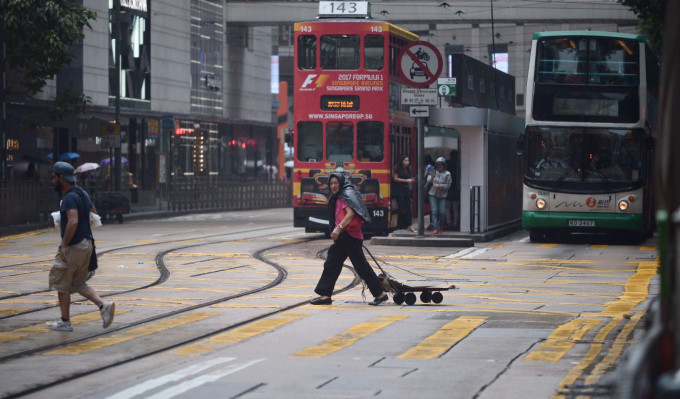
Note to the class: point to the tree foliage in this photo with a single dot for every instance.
(38, 39)
(651, 14)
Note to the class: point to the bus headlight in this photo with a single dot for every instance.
(623, 205)
(540, 203)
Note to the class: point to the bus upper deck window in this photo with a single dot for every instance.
(340, 52)
(374, 52)
(307, 52)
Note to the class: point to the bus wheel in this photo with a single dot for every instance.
(536, 235)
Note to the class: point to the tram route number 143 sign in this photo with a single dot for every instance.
(344, 8)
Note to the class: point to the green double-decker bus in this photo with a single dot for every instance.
(588, 145)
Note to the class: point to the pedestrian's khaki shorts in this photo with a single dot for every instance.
(71, 277)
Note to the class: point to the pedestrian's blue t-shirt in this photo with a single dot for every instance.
(72, 200)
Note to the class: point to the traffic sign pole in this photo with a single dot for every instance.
(420, 181)
(421, 60)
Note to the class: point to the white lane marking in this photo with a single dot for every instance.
(197, 382)
(468, 253)
(475, 253)
(176, 376)
(461, 252)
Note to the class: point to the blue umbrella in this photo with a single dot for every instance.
(68, 156)
(65, 156)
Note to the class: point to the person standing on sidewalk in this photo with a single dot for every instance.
(346, 212)
(401, 191)
(440, 180)
(70, 268)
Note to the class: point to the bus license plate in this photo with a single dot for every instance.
(581, 223)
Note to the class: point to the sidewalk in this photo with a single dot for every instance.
(443, 239)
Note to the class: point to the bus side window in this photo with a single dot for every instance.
(370, 141)
(310, 141)
(339, 142)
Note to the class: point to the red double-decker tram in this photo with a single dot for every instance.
(347, 115)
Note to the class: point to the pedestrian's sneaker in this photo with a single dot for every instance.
(59, 325)
(107, 313)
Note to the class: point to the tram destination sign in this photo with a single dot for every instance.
(354, 9)
(411, 96)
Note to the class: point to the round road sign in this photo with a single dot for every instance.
(420, 63)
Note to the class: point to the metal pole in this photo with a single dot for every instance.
(3, 99)
(117, 159)
(420, 180)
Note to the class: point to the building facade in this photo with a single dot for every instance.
(191, 96)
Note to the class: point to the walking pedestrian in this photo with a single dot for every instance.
(440, 179)
(346, 213)
(70, 268)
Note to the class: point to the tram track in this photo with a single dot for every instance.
(160, 257)
(162, 277)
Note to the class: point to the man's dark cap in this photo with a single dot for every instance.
(66, 170)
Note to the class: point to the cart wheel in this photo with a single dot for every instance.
(398, 298)
(437, 297)
(426, 296)
(410, 298)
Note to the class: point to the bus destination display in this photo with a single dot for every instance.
(340, 103)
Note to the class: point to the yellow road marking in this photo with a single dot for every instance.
(238, 334)
(635, 291)
(562, 340)
(245, 306)
(594, 350)
(498, 245)
(132, 334)
(14, 256)
(348, 337)
(617, 348)
(148, 241)
(547, 246)
(42, 328)
(598, 247)
(32, 233)
(6, 311)
(646, 248)
(442, 340)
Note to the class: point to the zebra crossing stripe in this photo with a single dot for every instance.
(238, 334)
(348, 337)
(446, 337)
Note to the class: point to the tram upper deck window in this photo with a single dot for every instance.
(306, 52)
(309, 141)
(340, 52)
(374, 52)
(339, 142)
(370, 141)
(588, 61)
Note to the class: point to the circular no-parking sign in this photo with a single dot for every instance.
(420, 63)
